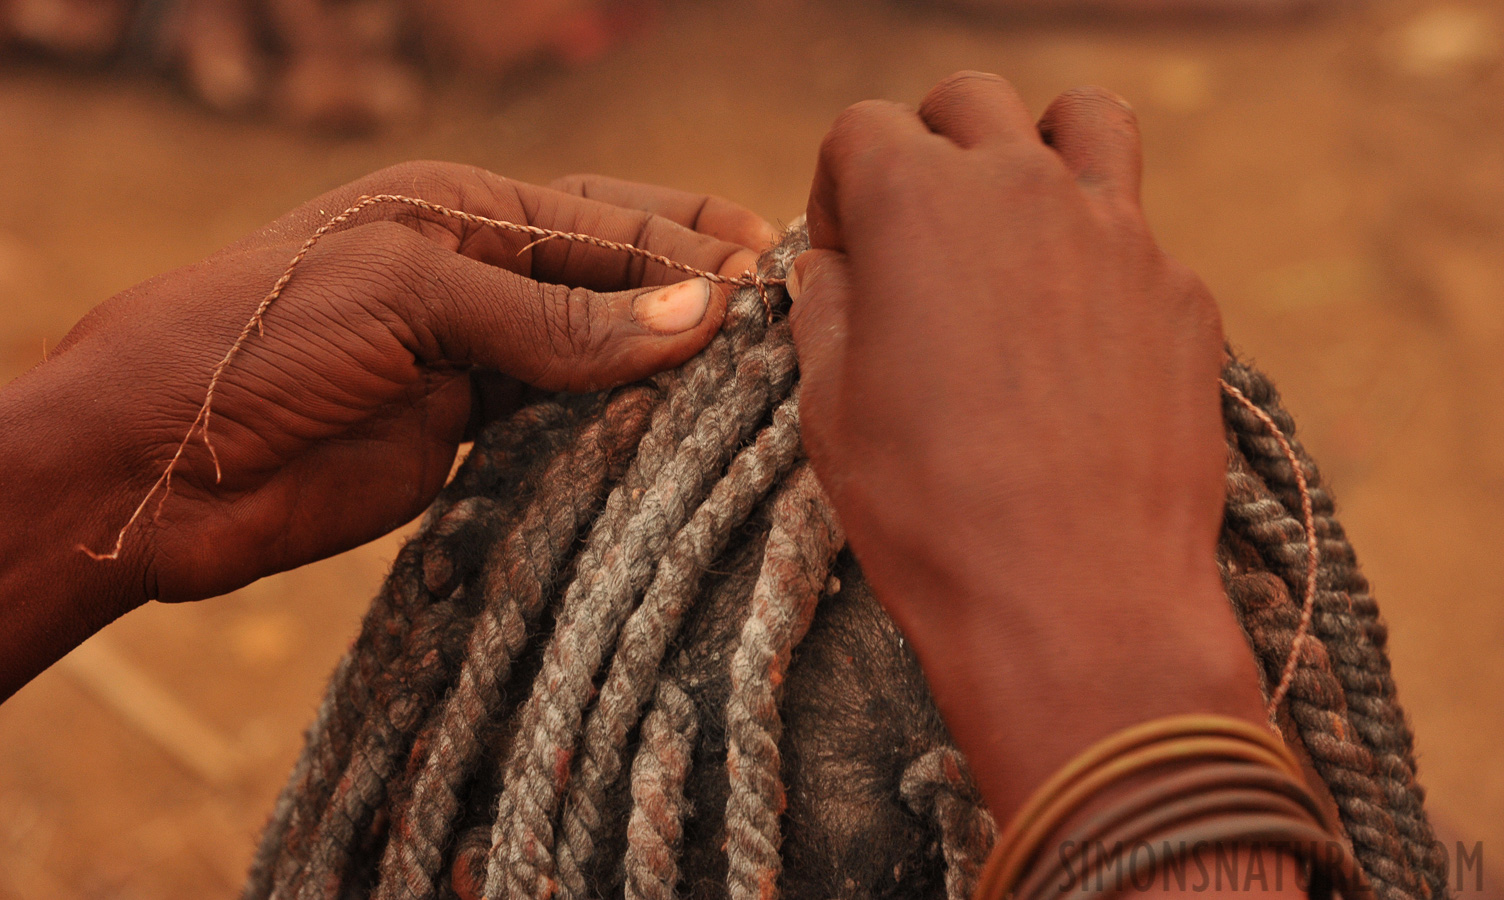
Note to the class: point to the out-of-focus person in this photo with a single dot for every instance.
(336, 64)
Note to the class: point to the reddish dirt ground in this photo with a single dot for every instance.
(1338, 182)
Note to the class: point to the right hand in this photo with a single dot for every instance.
(1011, 395)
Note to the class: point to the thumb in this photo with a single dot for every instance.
(552, 336)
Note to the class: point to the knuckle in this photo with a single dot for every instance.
(387, 266)
(578, 323)
(864, 109)
(415, 174)
(1089, 103)
(393, 261)
(387, 238)
(578, 184)
(857, 126)
(393, 253)
(961, 82)
(442, 182)
(1097, 96)
(972, 75)
(884, 170)
(382, 252)
(864, 156)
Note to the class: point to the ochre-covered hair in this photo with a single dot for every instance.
(627, 656)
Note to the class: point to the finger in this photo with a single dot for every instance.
(1096, 134)
(480, 193)
(608, 269)
(820, 286)
(868, 146)
(714, 216)
(451, 309)
(974, 108)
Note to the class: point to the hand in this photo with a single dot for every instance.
(1011, 395)
(341, 421)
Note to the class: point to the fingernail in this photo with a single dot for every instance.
(791, 280)
(670, 310)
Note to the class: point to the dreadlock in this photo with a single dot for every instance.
(627, 656)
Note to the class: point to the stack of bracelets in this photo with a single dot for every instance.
(1172, 787)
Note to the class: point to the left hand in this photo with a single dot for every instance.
(342, 420)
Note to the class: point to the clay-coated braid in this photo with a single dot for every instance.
(653, 626)
(655, 828)
(520, 577)
(326, 748)
(802, 544)
(258, 884)
(593, 611)
(404, 694)
(402, 697)
(1312, 544)
(1348, 622)
(494, 456)
(1315, 706)
(1276, 472)
(688, 391)
(1317, 701)
(375, 648)
(408, 689)
(745, 325)
(938, 786)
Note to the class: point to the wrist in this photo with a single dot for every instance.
(57, 496)
(1031, 665)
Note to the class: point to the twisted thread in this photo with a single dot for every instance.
(656, 827)
(654, 625)
(938, 786)
(801, 546)
(520, 573)
(592, 615)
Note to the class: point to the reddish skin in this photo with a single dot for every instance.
(342, 422)
(1011, 395)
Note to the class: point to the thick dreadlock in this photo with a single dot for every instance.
(627, 656)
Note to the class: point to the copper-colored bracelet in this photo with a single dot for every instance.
(1223, 782)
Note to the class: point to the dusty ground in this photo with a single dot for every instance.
(1340, 184)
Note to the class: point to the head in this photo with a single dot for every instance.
(627, 655)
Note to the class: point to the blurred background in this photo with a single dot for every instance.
(1335, 173)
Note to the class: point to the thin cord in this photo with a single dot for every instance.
(1308, 517)
(200, 424)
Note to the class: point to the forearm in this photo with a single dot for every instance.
(1036, 653)
(1026, 687)
(53, 502)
